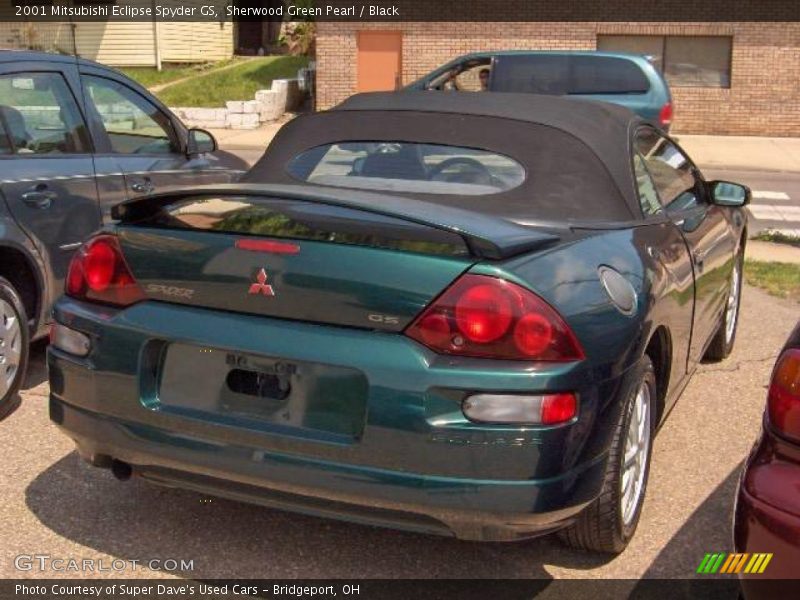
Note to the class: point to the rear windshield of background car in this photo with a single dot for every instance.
(567, 75)
(408, 167)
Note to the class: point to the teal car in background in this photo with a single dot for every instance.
(629, 80)
(451, 315)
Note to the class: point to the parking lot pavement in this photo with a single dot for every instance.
(53, 504)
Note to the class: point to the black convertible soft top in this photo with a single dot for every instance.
(576, 153)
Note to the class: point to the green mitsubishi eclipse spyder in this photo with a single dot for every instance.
(462, 315)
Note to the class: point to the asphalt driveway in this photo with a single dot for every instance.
(53, 504)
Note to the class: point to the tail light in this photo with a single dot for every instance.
(99, 273)
(783, 404)
(665, 115)
(491, 318)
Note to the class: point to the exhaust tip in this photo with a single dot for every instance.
(121, 470)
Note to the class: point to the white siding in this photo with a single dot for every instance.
(122, 43)
(195, 41)
(117, 43)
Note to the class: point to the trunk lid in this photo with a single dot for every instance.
(358, 261)
(322, 283)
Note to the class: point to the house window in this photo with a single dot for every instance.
(685, 61)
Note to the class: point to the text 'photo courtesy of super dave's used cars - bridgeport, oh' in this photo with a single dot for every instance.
(412, 316)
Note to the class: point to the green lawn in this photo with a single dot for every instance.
(778, 237)
(779, 279)
(150, 76)
(237, 83)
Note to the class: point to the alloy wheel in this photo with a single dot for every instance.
(10, 346)
(637, 452)
(732, 309)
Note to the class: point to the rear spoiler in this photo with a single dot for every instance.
(486, 236)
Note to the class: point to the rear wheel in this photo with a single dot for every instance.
(722, 344)
(13, 345)
(608, 524)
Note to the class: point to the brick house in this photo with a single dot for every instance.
(750, 82)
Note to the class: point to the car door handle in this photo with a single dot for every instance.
(144, 186)
(39, 197)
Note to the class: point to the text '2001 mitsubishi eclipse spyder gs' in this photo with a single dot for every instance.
(458, 315)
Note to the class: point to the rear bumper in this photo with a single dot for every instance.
(414, 462)
(467, 509)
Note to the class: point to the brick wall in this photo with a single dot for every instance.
(764, 97)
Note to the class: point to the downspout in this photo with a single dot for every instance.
(156, 37)
(73, 33)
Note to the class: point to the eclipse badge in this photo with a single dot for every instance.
(261, 286)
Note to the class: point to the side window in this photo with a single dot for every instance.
(470, 76)
(671, 171)
(606, 75)
(39, 115)
(474, 78)
(532, 74)
(648, 197)
(133, 124)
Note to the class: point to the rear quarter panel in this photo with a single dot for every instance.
(654, 259)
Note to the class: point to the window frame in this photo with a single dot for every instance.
(173, 133)
(662, 68)
(659, 212)
(83, 132)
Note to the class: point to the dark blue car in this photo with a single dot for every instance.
(75, 139)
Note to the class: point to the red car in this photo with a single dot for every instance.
(767, 514)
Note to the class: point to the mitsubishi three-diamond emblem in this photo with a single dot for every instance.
(261, 286)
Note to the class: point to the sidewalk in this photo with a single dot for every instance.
(740, 152)
(769, 252)
(248, 139)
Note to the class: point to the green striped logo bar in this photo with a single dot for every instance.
(723, 563)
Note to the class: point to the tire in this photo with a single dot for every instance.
(14, 341)
(725, 337)
(608, 523)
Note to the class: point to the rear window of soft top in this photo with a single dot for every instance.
(408, 167)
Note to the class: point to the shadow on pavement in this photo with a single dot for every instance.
(36, 375)
(707, 530)
(226, 539)
(37, 365)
